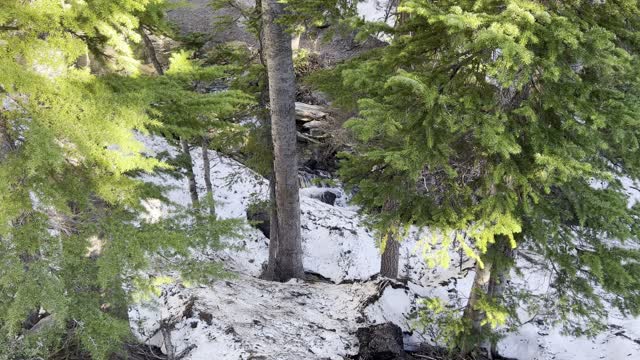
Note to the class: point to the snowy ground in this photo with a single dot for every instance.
(247, 318)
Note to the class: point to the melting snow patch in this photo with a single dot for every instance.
(245, 317)
(249, 318)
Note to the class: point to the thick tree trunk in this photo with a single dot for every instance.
(288, 255)
(193, 187)
(474, 315)
(390, 256)
(480, 287)
(391, 247)
(207, 175)
(499, 277)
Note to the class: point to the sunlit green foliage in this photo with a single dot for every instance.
(511, 119)
(72, 242)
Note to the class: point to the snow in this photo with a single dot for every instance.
(532, 343)
(373, 10)
(243, 317)
(247, 317)
(538, 341)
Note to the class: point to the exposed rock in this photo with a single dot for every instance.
(381, 342)
(261, 220)
(318, 134)
(199, 17)
(335, 46)
(328, 197)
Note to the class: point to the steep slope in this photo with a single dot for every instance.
(243, 317)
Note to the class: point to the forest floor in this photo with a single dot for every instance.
(243, 317)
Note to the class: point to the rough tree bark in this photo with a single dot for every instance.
(499, 278)
(151, 51)
(287, 261)
(391, 248)
(269, 272)
(474, 315)
(207, 175)
(390, 256)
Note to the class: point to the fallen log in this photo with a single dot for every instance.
(307, 112)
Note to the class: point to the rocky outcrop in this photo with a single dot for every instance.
(381, 342)
(261, 220)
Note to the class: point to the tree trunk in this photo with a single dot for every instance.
(489, 282)
(499, 277)
(270, 273)
(279, 56)
(480, 287)
(207, 175)
(390, 247)
(390, 256)
(151, 51)
(6, 143)
(193, 188)
(474, 315)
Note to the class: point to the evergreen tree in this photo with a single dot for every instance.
(72, 242)
(508, 123)
(286, 261)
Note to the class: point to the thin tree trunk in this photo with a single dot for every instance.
(270, 272)
(279, 56)
(479, 288)
(207, 175)
(193, 187)
(151, 51)
(6, 143)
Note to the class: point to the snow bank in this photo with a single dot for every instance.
(244, 317)
(249, 318)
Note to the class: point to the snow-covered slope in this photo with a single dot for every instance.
(244, 317)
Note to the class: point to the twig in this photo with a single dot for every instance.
(186, 351)
(165, 327)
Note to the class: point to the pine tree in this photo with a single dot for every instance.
(286, 262)
(508, 123)
(279, 19)
(73, 245)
